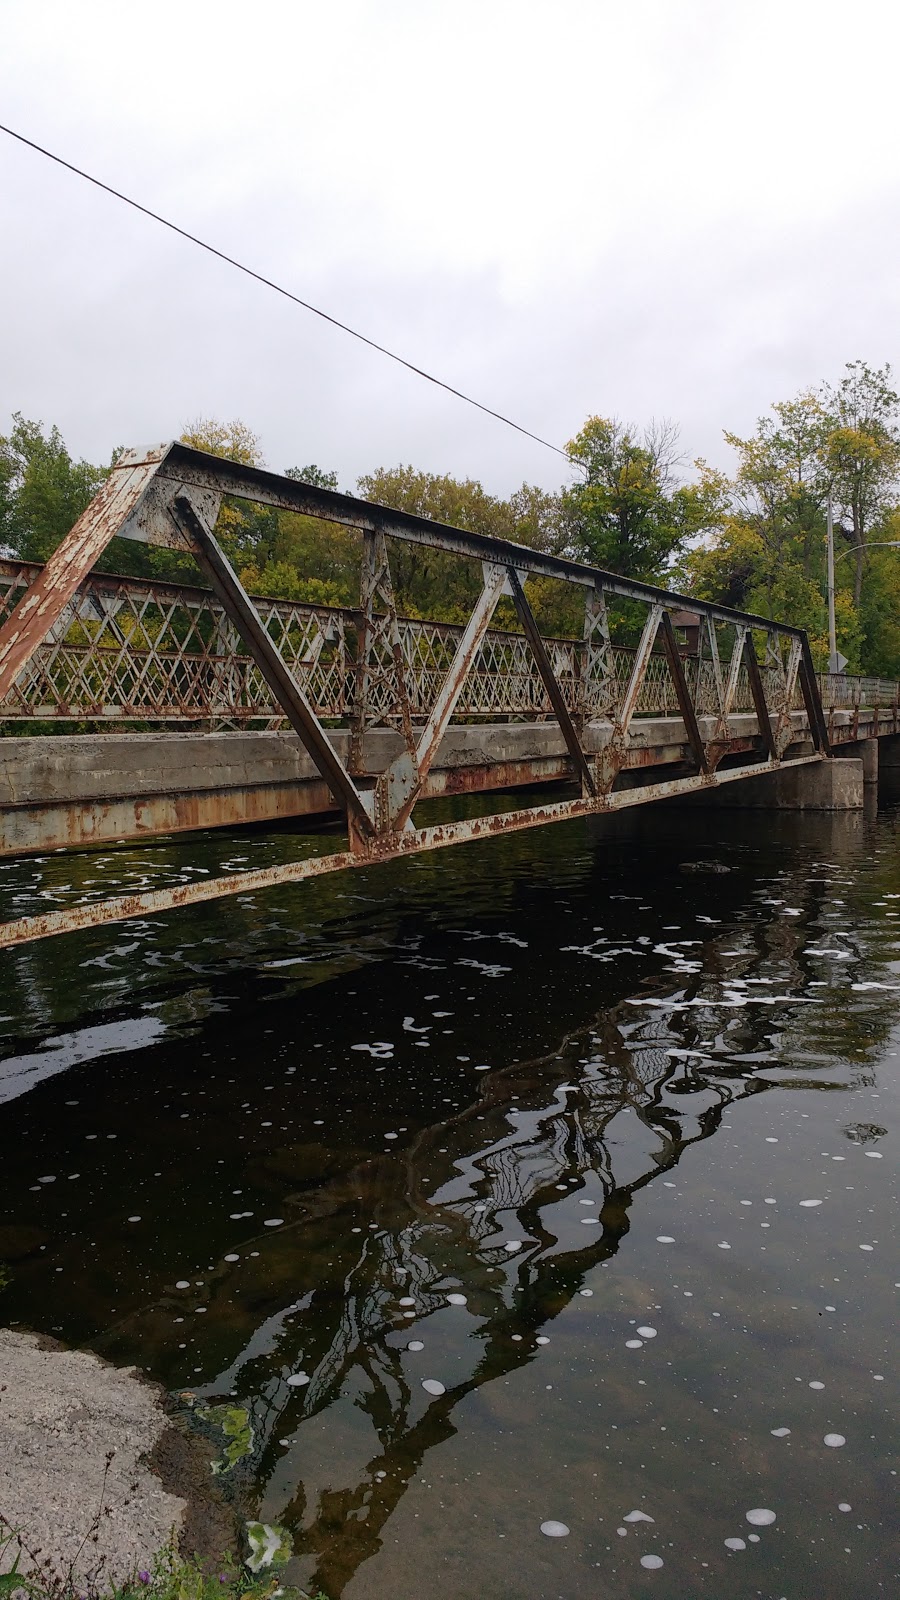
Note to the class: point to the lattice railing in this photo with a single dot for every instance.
(129, 650)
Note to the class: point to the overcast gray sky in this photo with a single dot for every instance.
(683, 208)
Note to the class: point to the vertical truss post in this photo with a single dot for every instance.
(685, 703)
(548, 676)
(788, 669)
(609, 761)
(597, 661)
(812, 699)
(760, 703)
(240, 608)
(727, 691)
(381, 688)
(709, 627)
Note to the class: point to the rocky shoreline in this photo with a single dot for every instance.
(96, 1468)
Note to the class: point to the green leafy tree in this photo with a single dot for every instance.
(43, 491)
(436, 584)
(768, 555)
(631, 513)
(862, 454)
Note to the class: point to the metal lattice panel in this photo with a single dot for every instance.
(131, 650)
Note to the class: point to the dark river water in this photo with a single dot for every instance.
(544, 1183)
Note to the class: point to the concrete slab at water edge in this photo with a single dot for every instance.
(61, 1412)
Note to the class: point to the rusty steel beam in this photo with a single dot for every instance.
(812, 699)
(81, 822)
(548, 676)
(100, 912)
(53, 588)
(284, 686)
(685, 703)
(184, 465)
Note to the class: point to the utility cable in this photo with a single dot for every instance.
(269, 283)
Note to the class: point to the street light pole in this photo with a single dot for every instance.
(832, 631)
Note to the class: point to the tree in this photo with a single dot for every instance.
(233, 441)
(631, 513)
(768, 555)
(862, 452)
(42, 490)
(313, 474)
(433, 583)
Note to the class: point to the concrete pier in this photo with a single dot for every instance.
(835, 785)
(866, 751)
(889, 767)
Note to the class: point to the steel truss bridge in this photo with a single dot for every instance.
(81, 646)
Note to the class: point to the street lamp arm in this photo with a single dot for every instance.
(874, 544)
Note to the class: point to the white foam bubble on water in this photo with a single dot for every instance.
(634, 1344)
(554, 1530)
(542, 1338)
(652, 1562)
(456, 1300)
(231, 1258)
(810, 1202)
(724, 1245)
(664, 1238)
(589, 1220)
(844, 1505)
(873, 1155)
(587, 1293)
(647, 1333)
(637, 1516)
(415, 1344)
(815, 1383)
(760, 1517)
(735, 1544)
(273, 1222)
(512, 1245)
(834, 1440)
(407, 1300)
(867, 1247)
(182, 1284)
(431, 1386)
(779, 1433)
(298, 1379)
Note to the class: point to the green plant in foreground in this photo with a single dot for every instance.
(169, 1577)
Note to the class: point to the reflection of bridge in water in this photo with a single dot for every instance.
(613, 1109)
(424, 709)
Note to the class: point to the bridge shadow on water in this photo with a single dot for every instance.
(464, 1076)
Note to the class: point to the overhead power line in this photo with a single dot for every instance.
(269, 283)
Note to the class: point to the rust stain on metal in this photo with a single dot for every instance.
(99, 913)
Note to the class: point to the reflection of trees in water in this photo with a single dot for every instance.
(660, 1067)
(675, 1069)
(512, 1173)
